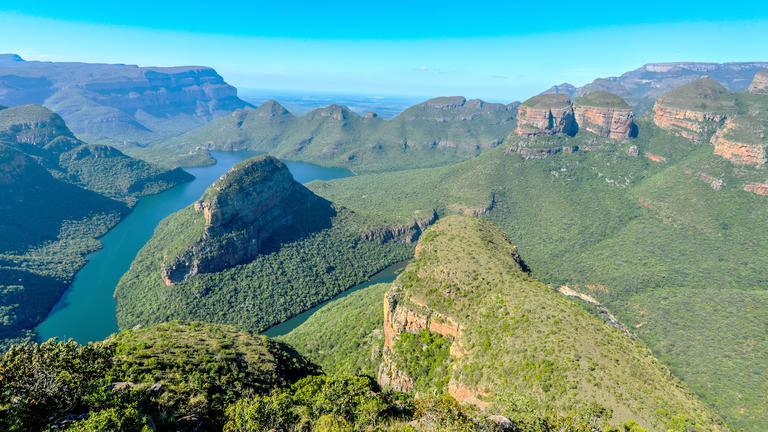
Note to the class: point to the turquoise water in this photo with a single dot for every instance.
(387, 275)
(86, 311)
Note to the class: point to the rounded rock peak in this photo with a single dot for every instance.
(602, 99)
(548, 101)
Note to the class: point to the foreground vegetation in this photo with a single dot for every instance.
(195, 376)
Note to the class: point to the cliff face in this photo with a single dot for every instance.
(694, 125)
(694, 110)
(243, 214)
(738, 148)
(120, 102)
(408, 233)
(547, 114)
(760, 83)
(604, 114)
(642, 86)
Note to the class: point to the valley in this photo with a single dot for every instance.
(588, 259)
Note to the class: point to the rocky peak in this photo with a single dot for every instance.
(760, 83)
(446, 102)
(271, 108)
(546, 114)
(604, 114)
(564, 88)
(248, 211)
(334, 111)
(694, 110)
(370, 115)
(33, 125)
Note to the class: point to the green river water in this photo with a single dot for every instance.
(86, 311)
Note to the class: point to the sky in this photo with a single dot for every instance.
(499, 51)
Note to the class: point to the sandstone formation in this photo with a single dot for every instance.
(694, 110)
(546, 114)
(119, 102)
(739, 146)
(642, 86)
(408, 233)
(758, 188)
(244, 213)
(604, 114)
(760, 83)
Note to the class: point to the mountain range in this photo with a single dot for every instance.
(590, 259)
(122, 105)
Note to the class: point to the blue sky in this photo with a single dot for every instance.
(495, 50)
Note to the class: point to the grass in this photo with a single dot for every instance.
(602, 99)
(344, 337)
(634, 226)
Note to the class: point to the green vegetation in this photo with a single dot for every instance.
(196, 376)
(425, 357)
(519, 337)
(436, 132)
(307, 252)
(703, 94)
(344, 336)
(59, 196)
(636, 235)
(546, 101)
(166, 373)
(601, 99)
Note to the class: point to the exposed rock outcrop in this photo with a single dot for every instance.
(760, 83)
(695, 110)
(758, 188)
(546, 114)
(604, 114)
(120, 101)
(246, 211)
(408, 233)
(741, 147)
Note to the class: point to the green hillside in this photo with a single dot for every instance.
(517, 339)
(436, 132)
(257, 249)
(703, 94)
(344, 337)
(630, 232)
(58, 196)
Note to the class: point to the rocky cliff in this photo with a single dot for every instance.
(741, 140)
(119, 103)
(642, 86)
(694, 110)
(465, 318)
(604, 114)
(546, 114)
(243, 214)
(760, 83)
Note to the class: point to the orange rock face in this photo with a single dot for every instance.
(739, 153)
(758, 188)
(608, 122)
(760, 83)
(548, 121)
(694, 125)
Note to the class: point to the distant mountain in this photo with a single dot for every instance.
(57, 195)
(642, 86)
(436, 132)
(119, 104)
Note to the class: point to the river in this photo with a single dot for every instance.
(86, 311)
(387, 275)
